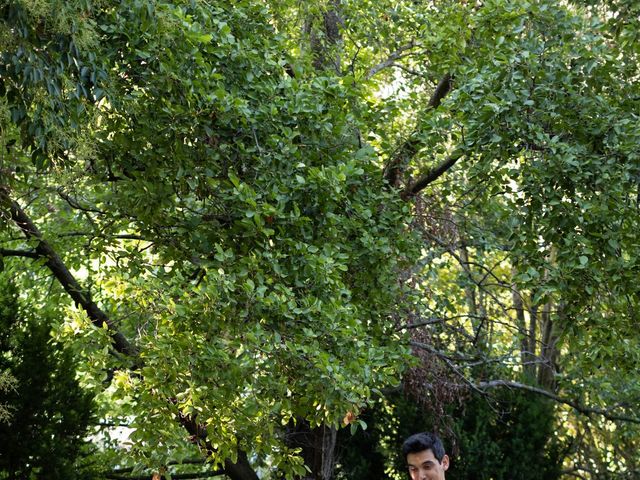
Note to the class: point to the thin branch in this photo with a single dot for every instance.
(73, 203)
(431, 321)
(465, 267)
(466, 263)
(123, 236)
(585, 410)
(449, 363)
(408, 70)
(352, 64)
(468, 361)
(188, 461)
(435, 321)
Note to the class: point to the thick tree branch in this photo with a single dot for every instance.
(241, 470)
(606, 413)
(5, 252)
(324, 44)
(399, 160)
(53, 261)
(432, 175)
(408, 149)
(441, 91)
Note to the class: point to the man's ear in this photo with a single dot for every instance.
(445, 462)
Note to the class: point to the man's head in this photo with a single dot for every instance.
(425, 457)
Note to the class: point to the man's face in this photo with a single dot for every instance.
(424, 466)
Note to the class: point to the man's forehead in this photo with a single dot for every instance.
(423, 456)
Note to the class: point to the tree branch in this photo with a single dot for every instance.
(448, 362)
(73, 203)
(481, 387)
(176, 476)
(5, 252)
(53, 261)
(606, 413)
(432, 175)
(241, 470)
(441, 91)
(408, 70)
(123, 236)
(408, 149)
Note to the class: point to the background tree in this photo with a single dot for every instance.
(50, 413)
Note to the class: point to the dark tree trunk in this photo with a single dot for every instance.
(549, 347)
(318, 448)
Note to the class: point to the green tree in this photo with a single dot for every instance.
(256, 213)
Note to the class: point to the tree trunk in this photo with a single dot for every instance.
(518, 306)
(318, 448)
(530, 366)
(241, 470)
(549, 350)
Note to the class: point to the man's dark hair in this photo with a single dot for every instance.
(424, 441)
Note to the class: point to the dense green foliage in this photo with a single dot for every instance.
(255, 212)
(250, 205)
